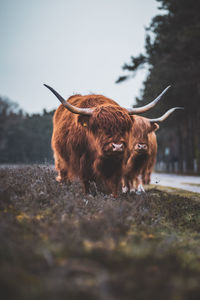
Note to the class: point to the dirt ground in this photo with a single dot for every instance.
(57, 243)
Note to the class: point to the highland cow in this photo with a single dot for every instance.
(143, 150)
(91, 137)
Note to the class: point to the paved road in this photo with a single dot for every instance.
(188, 183)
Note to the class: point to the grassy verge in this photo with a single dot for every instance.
(57, 243)
(192, 184)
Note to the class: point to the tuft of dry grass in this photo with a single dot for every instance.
(57, 243)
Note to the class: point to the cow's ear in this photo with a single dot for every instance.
(83, 120)
(154, 126)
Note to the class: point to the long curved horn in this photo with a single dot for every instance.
(73, 109)
(142, 109)
(165, 116)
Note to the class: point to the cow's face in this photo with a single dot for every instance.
(109, 127)
(141, 131)
(112, 145)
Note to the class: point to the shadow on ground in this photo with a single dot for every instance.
(57, 243)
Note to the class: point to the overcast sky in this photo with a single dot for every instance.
(76, 46)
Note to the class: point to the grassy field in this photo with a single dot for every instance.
(56, 243)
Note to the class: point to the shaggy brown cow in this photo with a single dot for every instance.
(143, 145)
(90, 139)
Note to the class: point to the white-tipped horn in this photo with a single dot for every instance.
(67, 105)
(165, 116)
(142, 109)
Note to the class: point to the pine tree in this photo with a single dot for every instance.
(173, 57)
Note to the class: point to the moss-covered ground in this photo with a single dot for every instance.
(56, 243)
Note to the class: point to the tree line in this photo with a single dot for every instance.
(24, 138)
(172, 56)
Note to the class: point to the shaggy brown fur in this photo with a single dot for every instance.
(141, 161)
(83, 145)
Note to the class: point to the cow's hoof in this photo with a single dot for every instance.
(140, 190)
(124, 189)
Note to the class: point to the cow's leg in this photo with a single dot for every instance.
(125, 185)
(132, 186)
(144, 177)
(114, 189)
(61, 167)
(139, 188)
(148, 178)
(86, 186)
(85, 173)
(113, 184)
(125, 189)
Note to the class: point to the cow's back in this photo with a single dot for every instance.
(65, 121)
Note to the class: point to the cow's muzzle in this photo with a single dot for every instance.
(118, 147)
(141, 147)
